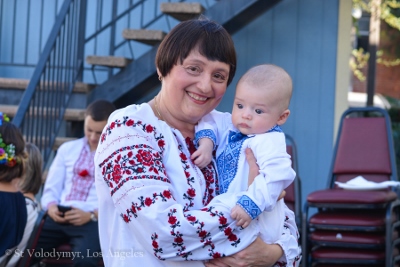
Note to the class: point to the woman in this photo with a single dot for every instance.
(29, 185)
(13, 212)
(151, 195)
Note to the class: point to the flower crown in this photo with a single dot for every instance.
(7, 152)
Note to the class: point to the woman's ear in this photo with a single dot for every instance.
(283, 117)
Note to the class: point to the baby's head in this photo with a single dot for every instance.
(262, 99)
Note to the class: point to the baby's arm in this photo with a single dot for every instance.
(203, 155)
(240, 215)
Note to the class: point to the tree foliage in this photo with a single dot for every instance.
(390, 14)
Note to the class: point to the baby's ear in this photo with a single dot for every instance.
(283, 117)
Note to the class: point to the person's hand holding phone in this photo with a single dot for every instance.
(56, 214)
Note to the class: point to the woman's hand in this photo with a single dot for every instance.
(257, 253)
(253, 167)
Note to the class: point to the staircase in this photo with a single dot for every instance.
(130, 80)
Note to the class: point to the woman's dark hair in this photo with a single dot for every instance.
(32, 180)
(12, 135)
(212, 40)
(100, 110)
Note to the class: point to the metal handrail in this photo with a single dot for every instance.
(43, 104)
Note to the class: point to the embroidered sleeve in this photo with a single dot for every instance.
(214, 126)
(276, 172)
(156, 202)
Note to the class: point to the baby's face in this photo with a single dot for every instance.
(255, 110)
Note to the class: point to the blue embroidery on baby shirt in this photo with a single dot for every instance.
(276, 128)
(235, 136)
(205, 134)
(227, 162)
(249, 206)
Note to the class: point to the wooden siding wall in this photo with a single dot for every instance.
(301, 37)
(33, 21)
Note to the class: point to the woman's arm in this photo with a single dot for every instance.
(257, 254)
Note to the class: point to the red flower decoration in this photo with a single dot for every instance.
(202, 233)
(191, 192)
(216, 255)
(222, 220)
(191, 218)
(167, 194)
(232, 237)
(149, 128)
(83, 173)
(228, 231)
(172, 220)
(178, 239)
(148, 201)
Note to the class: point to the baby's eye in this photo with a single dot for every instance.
(259, 111)
(240, 106)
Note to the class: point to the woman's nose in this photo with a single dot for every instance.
(204, 84)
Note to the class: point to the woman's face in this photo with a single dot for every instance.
(194, 88)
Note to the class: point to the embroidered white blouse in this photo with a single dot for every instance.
(155, 205)
(70, 180)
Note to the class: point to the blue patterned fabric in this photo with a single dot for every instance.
(205, 134)
(276, 128)
(227, 163)
(249, 206)
(235, 136)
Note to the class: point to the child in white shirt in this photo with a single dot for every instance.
(260, 107)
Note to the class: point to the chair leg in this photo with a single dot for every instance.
(304, 236)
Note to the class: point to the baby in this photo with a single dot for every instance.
(260, 107)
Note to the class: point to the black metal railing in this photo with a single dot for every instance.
(61, 63)
(43, 105)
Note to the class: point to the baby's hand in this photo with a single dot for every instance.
(240, 215)
(201, 158)
(203, 155)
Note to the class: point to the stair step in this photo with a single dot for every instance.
(71, 114)
(57, 143)
(150, 37)
(22, 84)
(182, 11)
(108, 61)
(61, 140)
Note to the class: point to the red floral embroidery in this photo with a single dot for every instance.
(144, 202)
(209, 172)
(178, 238)
(83, 173)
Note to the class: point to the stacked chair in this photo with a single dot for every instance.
(355, 227)
(293, 191)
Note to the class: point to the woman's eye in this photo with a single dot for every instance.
(220, 77)
(259, 111)
(193, 69)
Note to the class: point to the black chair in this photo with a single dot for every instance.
(26, 260)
